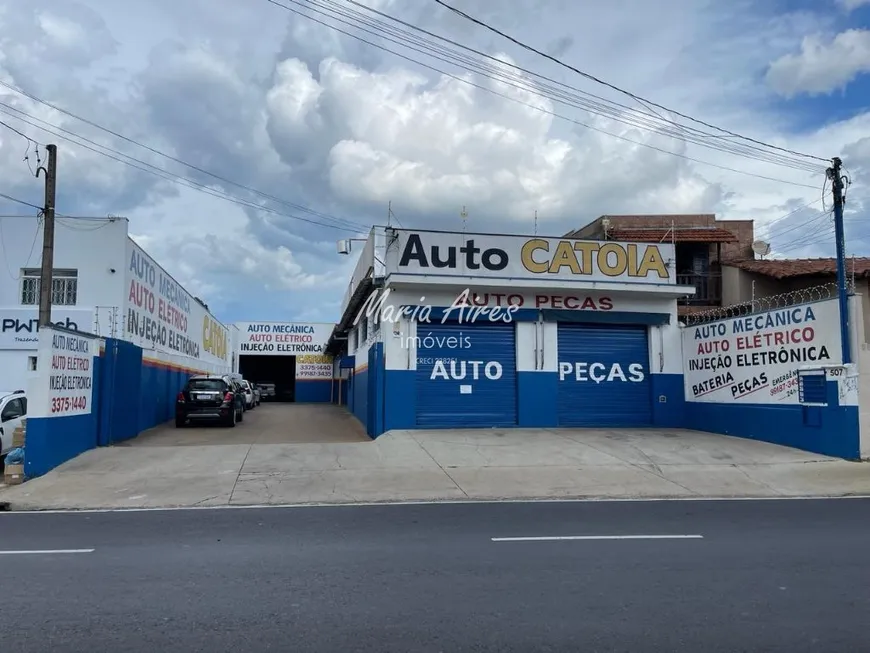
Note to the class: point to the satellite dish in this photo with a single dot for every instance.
(761, 248)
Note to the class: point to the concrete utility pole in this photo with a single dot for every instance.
(835, 175)
(45, 276)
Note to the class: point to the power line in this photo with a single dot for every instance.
(597, 105)
(621, 90)
(149, 168)
(339, 221)
(18, 201)
(512, 99)
(20, 133)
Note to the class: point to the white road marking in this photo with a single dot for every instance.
(45, 552)
(451, 502)
(556, 538)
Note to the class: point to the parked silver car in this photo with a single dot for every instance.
(267, 390)
(250, 398)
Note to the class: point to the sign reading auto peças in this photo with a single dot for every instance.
(521, 257)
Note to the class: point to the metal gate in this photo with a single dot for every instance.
(466, 375)
(604, 376)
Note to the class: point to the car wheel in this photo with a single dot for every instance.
(242, 415)
(180, 422)
(231, 422)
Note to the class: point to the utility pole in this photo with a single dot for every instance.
(835, 175)
(45, 276)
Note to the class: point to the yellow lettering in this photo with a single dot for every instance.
(616, 269)
(652, 262)
(632, 260)
(214, 338)
(586, 250)
(564, 256)
(528, 259)
(314, 359)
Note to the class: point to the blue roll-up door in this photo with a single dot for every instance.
(604, 376)
(466, 375)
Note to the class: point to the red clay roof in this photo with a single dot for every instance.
(799, 267)
(666, 234)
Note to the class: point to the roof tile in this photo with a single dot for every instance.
(666, 234)
(787, 268)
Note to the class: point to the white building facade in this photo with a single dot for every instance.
(450, 330)
(106, 285)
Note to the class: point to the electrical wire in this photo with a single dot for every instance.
(513, 99)
(18, 201)
(6, 257)
(618, 89)
(339, 222)
(149, 168)
(20, 133)
(597, 105)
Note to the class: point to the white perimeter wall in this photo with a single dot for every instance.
(861, 355)
(94, 249)
(541, 354)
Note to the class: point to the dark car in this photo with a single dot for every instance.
(210, 398)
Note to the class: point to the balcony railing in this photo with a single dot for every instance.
(708, 289)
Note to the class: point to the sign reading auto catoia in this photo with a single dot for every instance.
(522, 257)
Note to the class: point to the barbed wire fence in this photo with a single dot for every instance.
(768, 303)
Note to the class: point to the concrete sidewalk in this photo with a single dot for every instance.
(441, 465)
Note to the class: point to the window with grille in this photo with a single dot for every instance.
(64, 287)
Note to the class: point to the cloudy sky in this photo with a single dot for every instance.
(220, 106)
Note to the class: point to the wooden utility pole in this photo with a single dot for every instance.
(45, 276)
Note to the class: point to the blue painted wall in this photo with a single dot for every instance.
(376, 388)
(669, 401)
(314, 391)
(359, 402)
(536, 400)
(51, 441)
(831, 430)
(130, 395)
(537, 394)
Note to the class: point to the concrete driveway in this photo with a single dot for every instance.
(269, 423)
(437, 465)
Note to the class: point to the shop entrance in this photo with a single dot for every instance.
(277, 371)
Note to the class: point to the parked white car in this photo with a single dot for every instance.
(13, 408)
(250, 399)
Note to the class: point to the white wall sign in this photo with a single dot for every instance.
(19, 327)
(160, 314)
(523, 257)
(65, 371)
(313, 367)
(283, 338)
(755, 359)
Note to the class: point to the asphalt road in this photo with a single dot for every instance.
(785, 576)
